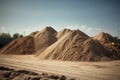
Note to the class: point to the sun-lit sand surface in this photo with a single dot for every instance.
(79, 70)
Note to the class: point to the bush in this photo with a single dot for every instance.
(17, 35)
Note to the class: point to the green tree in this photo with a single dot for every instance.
(5, 35)
(16, 35)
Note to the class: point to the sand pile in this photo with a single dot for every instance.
(23, 45)
(44, 38)
(92, 50)
(38, 40)
(110, 43)
(74, 45)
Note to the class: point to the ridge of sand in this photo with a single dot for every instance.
(104, 37)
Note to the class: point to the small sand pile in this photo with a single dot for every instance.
(110, 43)
(36, 41)
(23, 45)
(66, 31)
(92, 50)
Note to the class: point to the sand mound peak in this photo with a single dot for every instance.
(79, 32)
(45, 31)
(33, 33)
(66, 30)
(104, 37)
(48, 28)
(73, 32)
(63, 32)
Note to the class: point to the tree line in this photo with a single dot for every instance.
(7, 35)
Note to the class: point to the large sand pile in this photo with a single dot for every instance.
(74, 45)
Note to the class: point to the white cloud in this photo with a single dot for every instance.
(88, 30)
(85, 28)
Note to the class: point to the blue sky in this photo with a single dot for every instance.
(90, 16)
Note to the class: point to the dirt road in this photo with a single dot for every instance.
(79, 70)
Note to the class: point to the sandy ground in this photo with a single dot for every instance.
(78, 70)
